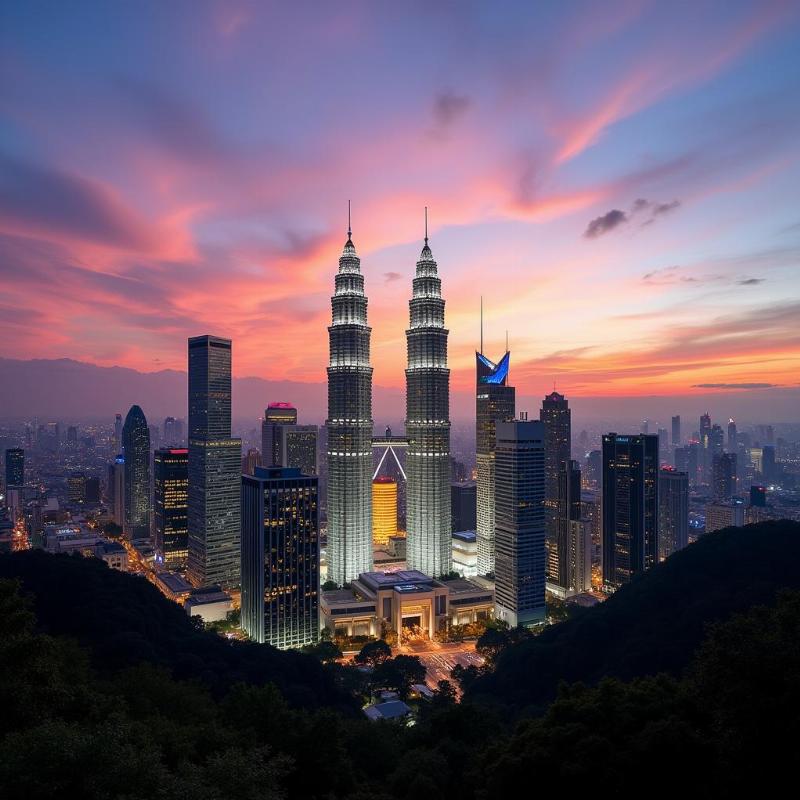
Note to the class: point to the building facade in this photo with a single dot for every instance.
(276, 416)
(15, 468)
(215, 461)
(568, 510)
(171, 507)
(280, 557)
(384, 511)
(429, 547)
(349, 424)
(630, 506)
(520, 523)
(463, 506)
(673, 512)
(494, 402)
(136, 447)
(298, 447)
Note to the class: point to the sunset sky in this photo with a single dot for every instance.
(620, 181)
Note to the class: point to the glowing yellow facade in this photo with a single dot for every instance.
(384, 510)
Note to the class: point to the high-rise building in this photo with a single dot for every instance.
(758, 496)
(171, 506)
(76, 488)
(724, 514)
(173, 433)
(429, 546)
(15, 468)
(92, 490)
(733, 439)
(463, 506)
(276, 415)
(72, 436)
(118, 433)
(557, 419)
(704, 464)
(676, 430)
(298, 447)
(384, 510)
(519, 516)
(567, 511)
(768, 463)
(280, 557)
(673, 512)
(594, 468)
(495, 402)
(630, 506)
(215, 461)
(723, 476)
(119, 490)
(350, 425)
(251, 461)
(136, 447)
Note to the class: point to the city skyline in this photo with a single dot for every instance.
(613, 181)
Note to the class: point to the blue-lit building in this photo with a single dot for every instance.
(494, 401)
(280, 557)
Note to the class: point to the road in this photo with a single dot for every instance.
(439, 659)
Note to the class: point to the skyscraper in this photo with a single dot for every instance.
(733, 439)
(276, 415)
(170, 506)
(298, 447)
(280, 557)
(630, 506)
(557, 419)
(118, 433)
(119, 490)
(704, 464)
(384, 510)
(251, 461)
(567, 511)
(15, 468)
(519, 515)
(723, 476)
(429, 544)
(136, 446)
(676, 430)
(494, 402)
(768, 463)
(463, 506)
(350, 425)
(673, 512)
(214, 467)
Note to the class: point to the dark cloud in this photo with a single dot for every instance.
(448, 107)
(750, 281)
(734, 386)
(51, 200)
(664, 208)
(600, 225)
(390, 277)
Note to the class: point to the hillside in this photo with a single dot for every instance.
(655, 623)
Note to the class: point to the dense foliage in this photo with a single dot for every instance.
(99, 699)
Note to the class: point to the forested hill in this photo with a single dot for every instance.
(655, 623)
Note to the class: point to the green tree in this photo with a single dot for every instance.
(372, 654)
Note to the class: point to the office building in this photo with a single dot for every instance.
(173, 432)
(118, 433)
(171, 507)
(76, 488)
(298, 447)
(92, 490)
(557, 419)
(758, 496)
(276, 416)
(768, 472)
(723, 476)
(704, 461)
(280, 557)
(520, 521)
(349, 424)
(215, 460)
(676, 430)
(384, 511)
(136, 447)
(724, 514)
(118, 478)
(630, 507)
(463, 506)
(429, 542)
(567, 511)
(465, 553)
(494, 401)
(251, 461)
(15, 468)
(673, 512)
(733, 436)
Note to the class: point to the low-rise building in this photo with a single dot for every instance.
(726, 514)
(465, 553)
(211, 604)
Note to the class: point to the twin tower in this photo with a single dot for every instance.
(350, 424)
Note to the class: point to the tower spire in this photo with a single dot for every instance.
(349, 227)
(426, 224)
(481, 323)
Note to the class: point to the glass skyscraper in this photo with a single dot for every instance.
(170, 506)
(136, 447)
(349, 424)
(215, 461)
(630, 506)
(494, 402)
(15, 468)
(280, 557)
(673, 512)
(519, 515)
(429, 544)
(276, 416)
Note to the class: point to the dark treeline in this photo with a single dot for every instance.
(109, 691)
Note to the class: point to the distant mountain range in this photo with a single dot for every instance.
(67, 389)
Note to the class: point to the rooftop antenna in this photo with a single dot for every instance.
(506, 341)
(481, 324)
(426, 224)
(349, 229)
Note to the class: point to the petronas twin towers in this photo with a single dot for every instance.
(350, 424)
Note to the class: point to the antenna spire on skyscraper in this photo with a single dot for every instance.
(349, 227)
(426, 224)
(481, 323)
